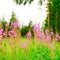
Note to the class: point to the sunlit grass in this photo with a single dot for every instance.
(35, 50)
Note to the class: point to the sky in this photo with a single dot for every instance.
(23, 13)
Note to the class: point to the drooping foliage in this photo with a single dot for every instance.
(24, 2)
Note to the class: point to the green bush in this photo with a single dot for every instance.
(25, 29)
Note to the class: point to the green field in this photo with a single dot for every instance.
(12, 49)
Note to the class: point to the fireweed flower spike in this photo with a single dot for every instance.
(29, 34)
(11, 33)
(4, 34)
(36, 30)
(36, 27)
(40, 35)
(23, 45)
(48, 38)
(52, 33)
(47, 32)
(57, 35)
(7, 25)
(15, 24)
(1, 31)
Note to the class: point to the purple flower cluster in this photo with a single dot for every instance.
(52, 33)
(42, 36)
(15, 24)
(47, 31)
(11, 33)
(1, 31)
(29, 34)
(58, 36)
(36, 27)
(23, 45)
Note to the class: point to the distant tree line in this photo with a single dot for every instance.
(52, 21)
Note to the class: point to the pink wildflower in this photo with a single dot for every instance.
(47, 31)
(7, 24)
(1, 31)
(36, 27)
(57, 36)
(29, 34)
(39, 35)
(24, 45)
(11, 33)
(4, 33)
(52, 33)
(48, 38)
(15, 24)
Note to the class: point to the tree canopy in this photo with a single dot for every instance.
(24, 2)
(53, 15)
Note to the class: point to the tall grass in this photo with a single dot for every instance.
(36, 50)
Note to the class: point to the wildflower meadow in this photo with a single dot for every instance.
(41, 46)
(25, 37)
